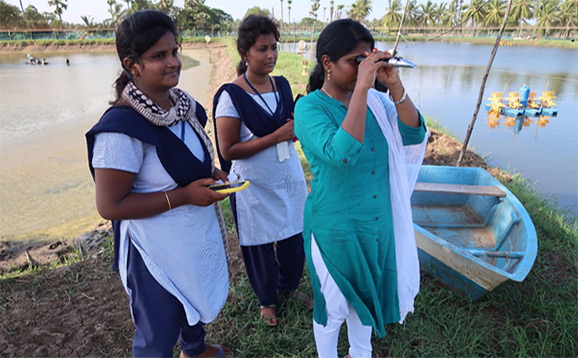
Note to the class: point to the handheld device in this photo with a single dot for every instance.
(231, 187)
(395, 61)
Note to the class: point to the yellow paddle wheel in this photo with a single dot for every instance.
(546, 99)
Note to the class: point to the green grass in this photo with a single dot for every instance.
(535, 318)
(188, 62)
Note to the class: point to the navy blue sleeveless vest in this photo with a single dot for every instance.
(258, 120)
(174, 155)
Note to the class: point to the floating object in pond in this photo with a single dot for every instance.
(523, 103)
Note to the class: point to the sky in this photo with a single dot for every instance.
(236, 8)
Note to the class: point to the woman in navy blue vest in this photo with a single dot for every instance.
(152, 162)
(254, 126)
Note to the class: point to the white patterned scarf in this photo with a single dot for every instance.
(184, 110)
(404, 166)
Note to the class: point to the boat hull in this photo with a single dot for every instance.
(472, 242)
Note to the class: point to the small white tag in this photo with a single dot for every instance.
(283, 151)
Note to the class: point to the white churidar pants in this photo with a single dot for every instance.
(338, 311)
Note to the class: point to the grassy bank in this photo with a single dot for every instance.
(188, 41)
(85, 44)
(535, 318)
(562, 43)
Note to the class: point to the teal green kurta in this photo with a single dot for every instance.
(349, 209)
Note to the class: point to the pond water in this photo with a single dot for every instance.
(44, 113)
(445, 86)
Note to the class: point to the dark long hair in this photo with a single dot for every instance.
(250, 29)
(337, 40)
(137, 34)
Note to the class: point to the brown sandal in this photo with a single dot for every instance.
(304, 299)
(269, 315)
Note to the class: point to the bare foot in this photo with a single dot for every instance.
(212, 351)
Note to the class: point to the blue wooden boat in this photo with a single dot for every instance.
(471, 231)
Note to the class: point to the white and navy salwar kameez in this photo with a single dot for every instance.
(173, 265)
(270, 211)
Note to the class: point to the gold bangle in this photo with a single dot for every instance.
(168, 201)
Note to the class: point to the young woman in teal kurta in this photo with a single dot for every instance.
(348, 212)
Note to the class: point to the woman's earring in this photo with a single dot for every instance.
(328, 75)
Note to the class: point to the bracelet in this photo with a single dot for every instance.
(403, 98)
(168, 201)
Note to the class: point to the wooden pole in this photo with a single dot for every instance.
(483, 85)
(393, 52)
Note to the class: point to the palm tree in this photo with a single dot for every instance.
(360, 10)
(475, 13)
(88, 24)
(116, 12)
(522, 10)
(449, 15)
(281, 15)
(111, 4)
(202, 20)
(494, 12)
(331, 10)
(392, 16)
(546, 14)
(60, 6)
(412, 13)
(88, 21)
(459, 9)
(289, 2)
(339, 10)
(24, 14)
(569, 11)
(313, 13)
(428, 13)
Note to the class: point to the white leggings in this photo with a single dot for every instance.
(338, 311)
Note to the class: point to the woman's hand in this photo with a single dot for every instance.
(368, 69)
(286, 132)
(388, 74)
(198, 193)
(221, 175)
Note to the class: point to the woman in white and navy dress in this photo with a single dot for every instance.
(152, 162)
(254, 126)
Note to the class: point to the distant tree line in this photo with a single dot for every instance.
(194, 14)
(528, 17)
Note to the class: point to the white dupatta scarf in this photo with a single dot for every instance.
(404, 166)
